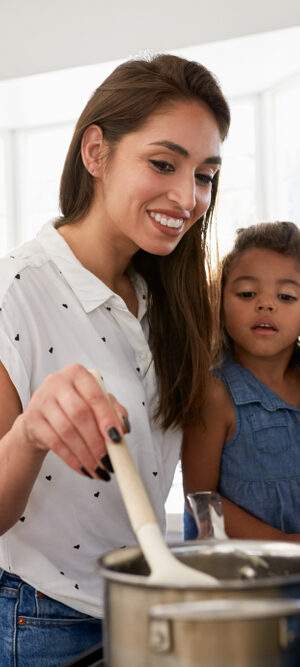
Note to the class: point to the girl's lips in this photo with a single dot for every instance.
(264, 324)
(264, 329)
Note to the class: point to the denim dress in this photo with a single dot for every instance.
(260, 465)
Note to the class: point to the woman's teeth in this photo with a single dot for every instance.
(167, 222)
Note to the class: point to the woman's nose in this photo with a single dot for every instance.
(183, 194)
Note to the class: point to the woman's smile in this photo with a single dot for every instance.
(171, 222)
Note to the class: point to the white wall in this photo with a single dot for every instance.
(45, 35)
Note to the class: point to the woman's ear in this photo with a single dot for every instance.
(92, 145)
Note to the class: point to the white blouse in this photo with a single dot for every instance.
(54, 312)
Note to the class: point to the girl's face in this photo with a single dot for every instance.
(158, 181)
(261, 303)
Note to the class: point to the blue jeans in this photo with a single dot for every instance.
(190, 529)
(36, 631)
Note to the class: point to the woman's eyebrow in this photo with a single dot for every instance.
(214, 159)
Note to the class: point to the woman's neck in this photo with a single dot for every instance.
(96, 249)
(97, 252)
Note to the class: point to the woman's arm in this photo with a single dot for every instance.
(201, 459)
(18, 467)
(68, 414)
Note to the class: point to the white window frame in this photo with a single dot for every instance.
(10, 185)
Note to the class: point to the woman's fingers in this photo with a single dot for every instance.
(71, 415)
(42, 433)
(66, 442)
(121, 412)
(109, 423)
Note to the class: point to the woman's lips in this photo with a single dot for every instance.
(167, 220)
(172, 226)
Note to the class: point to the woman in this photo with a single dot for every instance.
(118, 284)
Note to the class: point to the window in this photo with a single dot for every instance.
(287, 147)
(41, 153)
(4, 240)
(238, 205)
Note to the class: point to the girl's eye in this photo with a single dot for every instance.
(246, 295)
(287, 297)
(204, 179)
(164, 167)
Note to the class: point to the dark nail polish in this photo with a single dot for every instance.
(127, 423)
(105, 460)
(114, 434)
(85, 472)
(103, 474)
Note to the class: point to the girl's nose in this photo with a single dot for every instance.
(269, 307)
(266, 304)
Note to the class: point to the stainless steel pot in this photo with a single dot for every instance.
(147, 626)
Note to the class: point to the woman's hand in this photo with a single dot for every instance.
(70, 415)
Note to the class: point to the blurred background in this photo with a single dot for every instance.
(54, 54)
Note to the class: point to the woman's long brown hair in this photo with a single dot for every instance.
(178, 306)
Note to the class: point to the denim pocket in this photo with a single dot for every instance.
(270, 432)
(9, 585)
(47, 608)
(36, 630)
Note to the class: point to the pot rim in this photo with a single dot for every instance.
(253, 547)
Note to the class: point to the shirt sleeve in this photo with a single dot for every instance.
(12, 361)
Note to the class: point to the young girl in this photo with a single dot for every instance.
(117, 283)
(248, 445)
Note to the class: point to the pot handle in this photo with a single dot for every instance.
(225, 609)
(162, 616)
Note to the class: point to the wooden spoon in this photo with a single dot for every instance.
(165, 568)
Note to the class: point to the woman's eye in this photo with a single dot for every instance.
(246, 295)
(161, 165)
(204, 179)
(287, 297)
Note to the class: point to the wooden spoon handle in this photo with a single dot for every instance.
(135, 498)
(163, 565)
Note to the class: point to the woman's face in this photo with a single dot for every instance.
(158, 181)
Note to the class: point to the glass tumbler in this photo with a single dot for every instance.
(208, 513)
